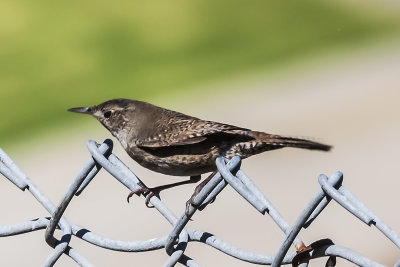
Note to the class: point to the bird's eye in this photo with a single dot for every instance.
(107, 114)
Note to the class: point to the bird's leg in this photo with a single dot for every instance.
(155, 191)
(197, 191)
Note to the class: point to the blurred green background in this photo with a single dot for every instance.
(334, 66)
(56, 55)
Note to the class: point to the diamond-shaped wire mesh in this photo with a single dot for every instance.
(178, 239)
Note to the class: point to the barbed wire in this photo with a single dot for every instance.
(176, 242)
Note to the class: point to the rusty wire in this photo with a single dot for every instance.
(175, 243)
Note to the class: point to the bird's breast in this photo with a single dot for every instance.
(173, 163)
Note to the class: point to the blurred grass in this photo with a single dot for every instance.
(55, 55)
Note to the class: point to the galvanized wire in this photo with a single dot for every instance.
(176, 242)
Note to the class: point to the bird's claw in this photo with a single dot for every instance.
(137, 192)
(190, 203)
(197, 190)
(147, 192)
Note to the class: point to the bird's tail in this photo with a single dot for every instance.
(285, 141)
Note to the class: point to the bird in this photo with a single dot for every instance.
(172, 143)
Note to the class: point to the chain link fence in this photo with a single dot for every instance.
(176, 242)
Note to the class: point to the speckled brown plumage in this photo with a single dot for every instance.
(173, 143)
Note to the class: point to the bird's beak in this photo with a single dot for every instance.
(84, 110)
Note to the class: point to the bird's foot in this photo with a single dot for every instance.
(197, 190)
(147, 192)
(155, 191)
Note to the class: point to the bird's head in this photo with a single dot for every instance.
(116, 115)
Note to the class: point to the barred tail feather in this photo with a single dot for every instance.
(285, 141)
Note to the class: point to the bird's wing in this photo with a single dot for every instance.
(182, 131)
